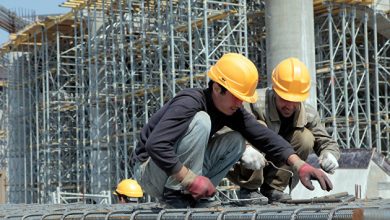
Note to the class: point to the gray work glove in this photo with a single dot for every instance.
(252, 159)
(328, 162)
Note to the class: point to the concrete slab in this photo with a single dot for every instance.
(360, 170)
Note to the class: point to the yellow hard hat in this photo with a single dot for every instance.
(237, 74)
(291, 80)
(129, 188)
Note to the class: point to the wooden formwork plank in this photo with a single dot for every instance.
(318, 2)
(340, 1)
(24, 35)
(367, 2)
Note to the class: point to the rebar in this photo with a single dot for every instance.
(370, 209)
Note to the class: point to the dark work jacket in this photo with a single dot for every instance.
(169, 123)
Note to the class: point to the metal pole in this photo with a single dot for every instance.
(367, 82)
(346, 80)
(332, 75)
(355, 84)
(378, 130)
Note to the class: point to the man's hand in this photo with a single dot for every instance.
(253, 159)
(307, 173)
(198, 186)
(328, 162)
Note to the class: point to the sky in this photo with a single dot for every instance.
(26, 6)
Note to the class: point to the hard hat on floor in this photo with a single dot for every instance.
(129, 188)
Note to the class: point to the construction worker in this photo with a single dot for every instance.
(282, 110)
(128, 190)
(179, 160)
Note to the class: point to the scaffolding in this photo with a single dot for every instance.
(85, 83)
(353, 75)
(3, 125)
(12, 21)
(81, 85)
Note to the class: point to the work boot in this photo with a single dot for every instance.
(274, 195)
(251, 197)
(175, 199)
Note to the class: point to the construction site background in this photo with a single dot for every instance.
(75, 89)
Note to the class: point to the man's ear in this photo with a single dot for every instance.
(216, 88)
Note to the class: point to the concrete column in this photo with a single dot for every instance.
(290, 32)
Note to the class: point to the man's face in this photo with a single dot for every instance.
(122, 199)
(226, 103)
(286, 108)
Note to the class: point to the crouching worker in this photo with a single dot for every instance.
(128, 191)
(282, 109)
(179, 160)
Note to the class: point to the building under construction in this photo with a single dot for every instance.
(77, 88)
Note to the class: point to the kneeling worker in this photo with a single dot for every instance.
(179, 160)
(282, 110)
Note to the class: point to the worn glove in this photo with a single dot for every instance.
(198, 186)
(328, 162)
(253, 159)
(307, 173)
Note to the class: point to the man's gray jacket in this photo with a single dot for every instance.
(266, 113)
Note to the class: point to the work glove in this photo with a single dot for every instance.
(198, 186)
(253, 159)
(328, 162)
(307, 173)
